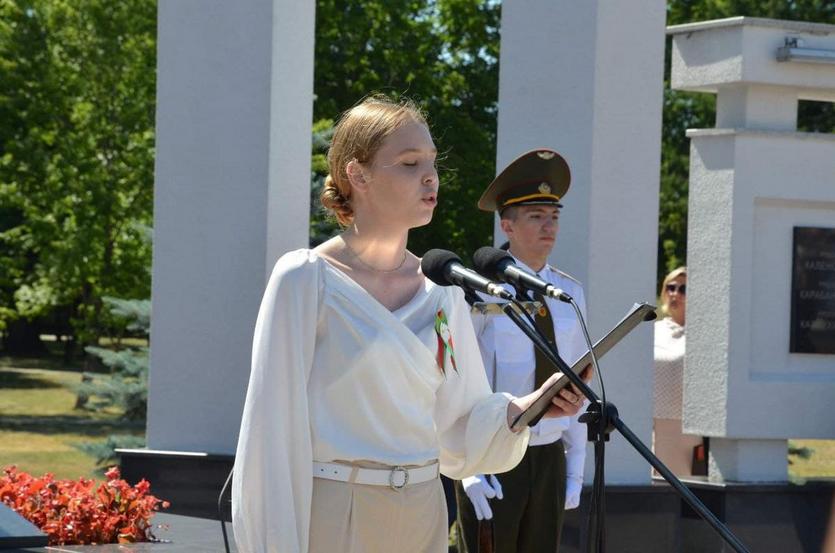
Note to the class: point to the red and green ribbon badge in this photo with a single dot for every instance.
(445, 346)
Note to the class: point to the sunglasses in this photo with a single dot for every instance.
(680, 288)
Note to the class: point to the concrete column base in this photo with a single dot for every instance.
(748, 460)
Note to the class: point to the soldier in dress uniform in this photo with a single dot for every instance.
(526, 505)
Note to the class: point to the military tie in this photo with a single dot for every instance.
(545, 324)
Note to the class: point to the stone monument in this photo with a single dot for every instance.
(759, 367)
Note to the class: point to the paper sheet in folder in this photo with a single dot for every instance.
(640, 312)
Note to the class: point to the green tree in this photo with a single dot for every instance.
(23, 103)
(442, 54)
(76, 164)
(126, 385)
(322, 226)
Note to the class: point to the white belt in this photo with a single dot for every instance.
(395, 477)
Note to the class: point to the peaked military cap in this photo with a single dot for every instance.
(538, 177)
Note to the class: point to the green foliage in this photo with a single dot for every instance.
(135, 313)
(126, 387)
(442, 54)
(322, 226)
(800, 452)
(815, 116)
(77, 85)
(105, 452)
(682, 111)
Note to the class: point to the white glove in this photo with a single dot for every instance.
(572, 494)
(479, 489)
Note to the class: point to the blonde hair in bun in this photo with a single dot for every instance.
(358, 135)
(338, 205)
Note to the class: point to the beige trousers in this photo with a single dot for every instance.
(358, 518)
(674, 448)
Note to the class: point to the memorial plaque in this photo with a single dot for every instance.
(813, 291)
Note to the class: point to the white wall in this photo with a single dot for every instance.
(234, 110)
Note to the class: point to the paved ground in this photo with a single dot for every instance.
(195, 535)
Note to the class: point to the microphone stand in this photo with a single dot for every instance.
(603, 418)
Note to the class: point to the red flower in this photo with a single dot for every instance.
(77, 512)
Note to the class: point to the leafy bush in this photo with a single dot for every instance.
(77, 512)
(127, 386)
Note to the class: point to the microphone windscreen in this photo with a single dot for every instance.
(487, 260)
(433, 264)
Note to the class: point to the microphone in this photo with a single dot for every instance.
(498, 264)
(444, 268)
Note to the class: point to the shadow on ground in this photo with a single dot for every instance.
(61, 424)
(19, 380)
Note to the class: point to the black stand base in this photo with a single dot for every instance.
(768, 518)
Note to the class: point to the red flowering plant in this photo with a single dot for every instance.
(77, 512)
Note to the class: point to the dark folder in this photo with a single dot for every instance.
(640, 312)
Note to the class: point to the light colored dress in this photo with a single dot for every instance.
(338, 377)
(671, 445)
(670, 343)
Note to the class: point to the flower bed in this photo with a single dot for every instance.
(78, 512)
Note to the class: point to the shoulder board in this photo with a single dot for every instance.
(564, 274)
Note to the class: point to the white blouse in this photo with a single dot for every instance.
(337, 376)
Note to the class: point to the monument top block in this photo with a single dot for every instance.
(745, 50)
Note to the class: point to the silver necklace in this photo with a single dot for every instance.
(356, 256)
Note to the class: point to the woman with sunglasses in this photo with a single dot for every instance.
(671, 445)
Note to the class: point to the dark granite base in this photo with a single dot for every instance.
(767, 518)
(16, 531)
(181, 535)
(190, 481)
(640, 519)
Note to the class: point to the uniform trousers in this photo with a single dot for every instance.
(529, 517)
(359, 518)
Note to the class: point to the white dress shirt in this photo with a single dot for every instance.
(510, 362)
(338, 377)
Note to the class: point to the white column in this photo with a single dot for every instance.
(747, 460)
(573, 77)
(234, 110)
(757, 107)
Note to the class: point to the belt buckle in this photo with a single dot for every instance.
(398, 469)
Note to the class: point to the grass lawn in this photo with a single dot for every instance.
(819, 465)
(39, 423)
